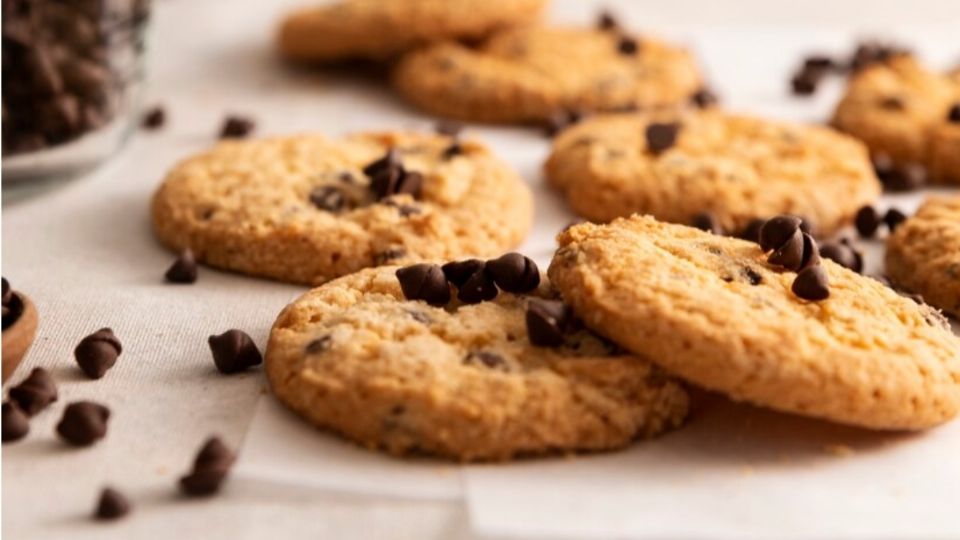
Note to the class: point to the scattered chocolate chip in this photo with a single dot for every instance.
(12, 305)
(892, 103)
(907, 177)
(392, 254)
(777, 231)
(236, 127)
(458, 272)
(154, 118)
(514, 273)
(184, 269)
(36, 392)
(424, 282)
(873, 52)
(627, 45)
(7, 291)
(328, 198)
(811, 284)
(752, 231)
(842, 254)
(705, 221)
(953, 115)
(704, 98)
(449, 128)
(210, 469)
(661, 136)
(805, 82)
(546, 322)
(893, 218)
(98, 352)
(867, 221)
(789, 254)
(234, 351)
(819, 62)
(15, 422)
(111, 505)
(607, 21)
(83, 423)
(489, 359)
(478, 288)
(319, 345)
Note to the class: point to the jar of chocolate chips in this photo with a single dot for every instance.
(72, 75)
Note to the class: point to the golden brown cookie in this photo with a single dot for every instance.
(714, 312)
(307, 209)
(923, 253)
(676, 165)
(530, 74)
(906, 113)
(457, 380)
(380, 29)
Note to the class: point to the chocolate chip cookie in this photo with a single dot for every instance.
(392, 358)
(380, 29)
(909, 116)
(677, 166)
(923, 253)
(530, 74)
(714, 311)
(307, 209)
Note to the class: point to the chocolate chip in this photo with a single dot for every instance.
(777, 231)
(98, 352)
(184, 269)
(607, 21)
(154, 118)
(882, 165)
(424, 282)
(83, 423)
(752, 231)
(489, 359)
(811, 284)
(893, 218)
(790, 253)
(234, 351)
(111, 505)
(811, 252)
(753, 277)
(458, 272)
(7, 291)
(953, 115)
(704, 98)
(627, 45)
(807, 226)
(805, 82)
(819, 62)
(36, 392)
(908, 177)
(705, 221)
(449, 128)
(390, 160)
(562, 119)
(546, 322)
(514, 273)
(892, 103)
(236, 127)
(210, 469)
(394, 181)
(319, 345)
(15, 422)
(842, 254)
(661, 136)
(452, 151)
(329, 198)
(478, 288)
(392, 254)
(867, 221)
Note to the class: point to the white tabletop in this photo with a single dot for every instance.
(85, 254)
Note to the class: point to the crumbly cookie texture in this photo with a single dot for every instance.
(712, 311)
(923, 254)
(461, 381)
(247, 205)
(529, 74)
(901, 109)
(737, 168)
(381, 29)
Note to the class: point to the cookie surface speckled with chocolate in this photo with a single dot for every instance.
(381, 29)
(677, 166)
(307, 209)
(531, 74)
(463, 381)
(903, 112)
(923, 253)
(712, 310)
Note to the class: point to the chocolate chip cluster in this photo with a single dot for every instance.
(12, 305)
(67, 66)
(476, 281)
(795, 250)
(816, 68)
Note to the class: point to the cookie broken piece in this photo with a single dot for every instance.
(461, 381)
(865, 356)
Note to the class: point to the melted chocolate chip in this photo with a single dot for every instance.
(661, 136)
(98, 352)
(319, 345)
(36, 392)
(458, 272)
(111, 505)
(547, 321)
(15, 422)
(753, 277)
(328, 198)
(489, 359)
(424, 282)
(391, 254)
(234, 351)
(514, 273)
(867, 221)
(183, 269)
(478, 288)
(83, 423)
(812, 284)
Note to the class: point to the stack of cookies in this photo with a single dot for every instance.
(705, 263)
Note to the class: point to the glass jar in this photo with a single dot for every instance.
(72, 79)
